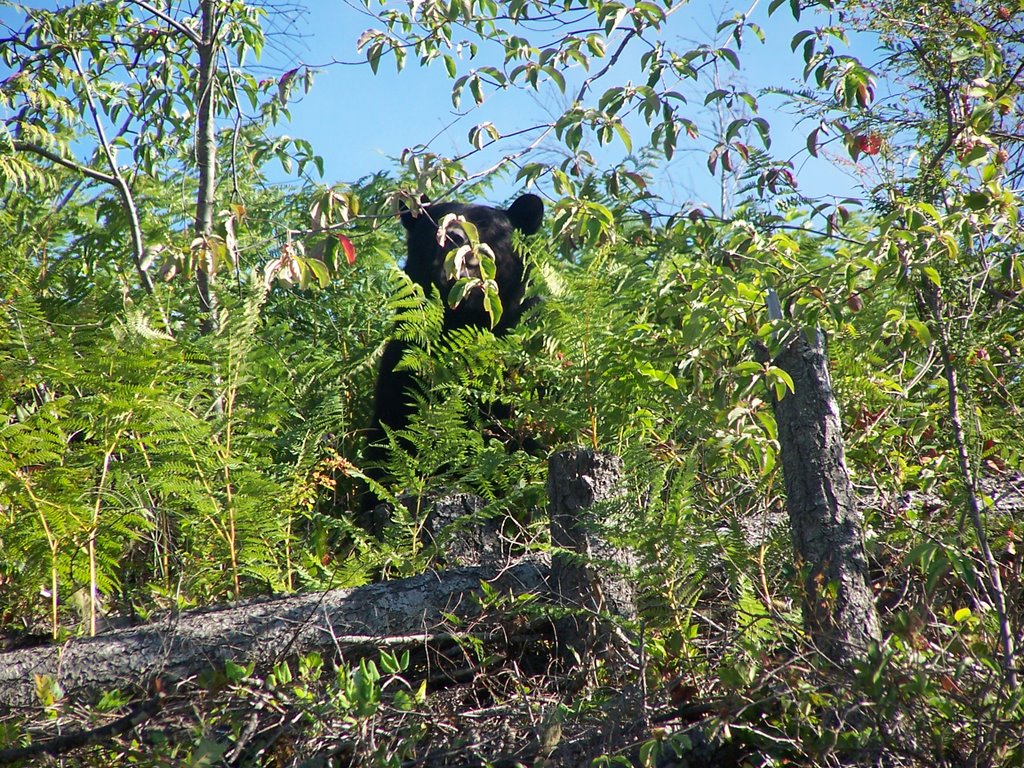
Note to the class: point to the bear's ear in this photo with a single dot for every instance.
(408, 219)
(526, 214)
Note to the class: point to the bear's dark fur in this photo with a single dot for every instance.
(393, 404)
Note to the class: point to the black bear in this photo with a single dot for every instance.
(437, 260)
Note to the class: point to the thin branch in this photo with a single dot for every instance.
(73, 189)
(996, 594)
(139, 248)
(236, 131)
(171, 22)
(53, 157)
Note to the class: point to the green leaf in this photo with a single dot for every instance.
(651, 11)
(472, 233)
(921, 331)
(492, 304)
(782, 382)
(763, 130)
(800, 37)
(669, 144)
(733, 129)
(730, 55)
(235, 672)
(612, 15)
(557, 76)
(933, 275)
(389, 663)
(747, 368)
(644, 368)
(319, 270)
(477, 89)
(649, 752)
(458, 291)
(596, 45)
(962, 53)
(373, 55)
(624, 136)
(977, 200)
(715, 95)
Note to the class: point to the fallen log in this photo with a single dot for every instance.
(263, 631)
(414, 610)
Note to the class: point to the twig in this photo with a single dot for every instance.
(63, 744)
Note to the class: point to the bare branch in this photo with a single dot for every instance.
(931, 298)
(53, 157)
(170, 21)
(138, 246)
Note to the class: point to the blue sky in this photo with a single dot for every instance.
(360, 122)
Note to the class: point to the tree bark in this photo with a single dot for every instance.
(589, 575)
(827, 527)
(261, 631)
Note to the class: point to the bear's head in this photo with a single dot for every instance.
(429, 249)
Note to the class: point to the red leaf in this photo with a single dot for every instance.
(869, 144)
(350, 250)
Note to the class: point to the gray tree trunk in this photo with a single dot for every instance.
(589, 576)
(828, 530)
